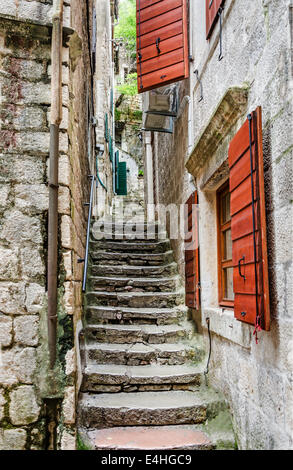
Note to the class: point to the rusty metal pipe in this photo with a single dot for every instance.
(55, 120)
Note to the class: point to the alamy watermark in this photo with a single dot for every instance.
(129, 222)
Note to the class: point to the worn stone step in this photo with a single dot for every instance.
(136, 299)
(117, 378)
(116, 224)
(216, 434)
(181, 437)
(131, 246)
(141, 354)
(133, 259)
(149, 408)
(128, 315)
(133, 271)
(152, 334)
(136, 284)
(127, 235)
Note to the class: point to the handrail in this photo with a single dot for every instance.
(85, 259)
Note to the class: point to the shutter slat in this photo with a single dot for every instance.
(162, 43)
(192, 289)
(245, 245)
(241, 223)
(166, 46)
(241, 197)
(165, 32)
(155, 24)
(247, 286)
(159, 8)
(122, 179)
(160, 78)
(246, 304)
(146, 3)
(163, 61)
(241, 170)
(246, 300)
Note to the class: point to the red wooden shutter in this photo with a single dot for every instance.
(192, 286)
(249, 246)
(162, 43)
(212, 10)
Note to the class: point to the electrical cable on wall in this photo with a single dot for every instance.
(210, 348)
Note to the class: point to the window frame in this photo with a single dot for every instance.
(222, 263)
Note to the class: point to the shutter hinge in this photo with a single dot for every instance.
(220, 12)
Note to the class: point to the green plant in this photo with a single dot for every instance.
(129, 87)
(117, 114)
(126, 29)
(140, 173)
(80, 444)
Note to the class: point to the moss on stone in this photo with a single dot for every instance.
(80, 444)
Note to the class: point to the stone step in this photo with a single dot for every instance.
(182, 437)
(133, 271)
(128, 315)
(128, 334)
(140, 354)
(127, 235)
(133, 259)
(154, 377)
(135, 299)
(118, 225)
(130, 246)
(149, 408)
(136, 284)
(216, 434)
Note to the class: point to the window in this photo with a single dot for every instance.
(225, 263)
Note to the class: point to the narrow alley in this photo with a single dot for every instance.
(146, 228)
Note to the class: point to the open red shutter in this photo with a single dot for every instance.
(192, 286)
(248, 224)
(212, 10)
(162, 43)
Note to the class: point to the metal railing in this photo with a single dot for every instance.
(88, 234)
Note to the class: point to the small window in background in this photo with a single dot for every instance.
(225, 263)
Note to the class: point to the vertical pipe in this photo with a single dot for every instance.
(55, 119)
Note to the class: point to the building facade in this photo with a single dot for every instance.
(240, 60)
(38, 397)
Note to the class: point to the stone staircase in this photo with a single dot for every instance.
(143, 385)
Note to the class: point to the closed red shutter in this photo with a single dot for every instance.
(162, 43)
(248, 224)
(212, 10)
(192, 285)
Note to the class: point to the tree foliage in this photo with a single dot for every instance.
(126, 29)
(129, 87)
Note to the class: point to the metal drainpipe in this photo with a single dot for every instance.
(55, 120)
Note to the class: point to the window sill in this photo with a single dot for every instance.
(223, 324)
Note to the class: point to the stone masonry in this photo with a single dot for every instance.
(25, 382)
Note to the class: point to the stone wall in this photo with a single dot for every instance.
(171, 180)
(28, 389)
(256, 379)
(104, 82)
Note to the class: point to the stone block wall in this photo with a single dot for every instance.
(26, 383)
(172, 179)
